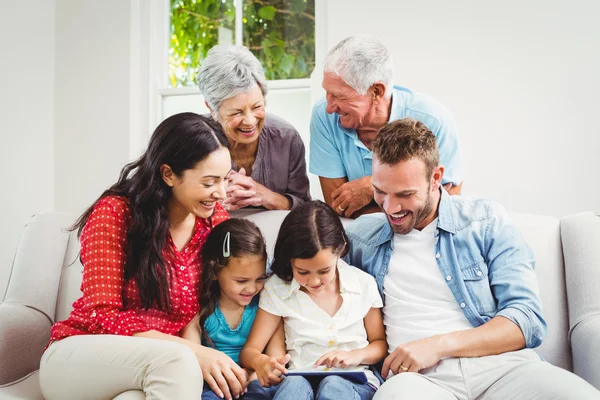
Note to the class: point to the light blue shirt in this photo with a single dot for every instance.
(227, 340)
(482, 256)
(336, 152)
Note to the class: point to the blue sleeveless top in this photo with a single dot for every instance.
(230, 341)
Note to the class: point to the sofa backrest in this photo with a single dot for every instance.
(542, 233)
(35, 274)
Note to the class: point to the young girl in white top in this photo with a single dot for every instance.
(331, 311)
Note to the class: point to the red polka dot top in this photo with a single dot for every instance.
(100, 310)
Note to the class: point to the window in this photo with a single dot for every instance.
(280, 33)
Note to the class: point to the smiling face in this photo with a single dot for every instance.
(241, 280)
(317, 273)
(407, 196)
(243, 116)
(355, 110)
(198, 189)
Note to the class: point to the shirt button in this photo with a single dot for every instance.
(94, 314)
(437, 255)
(185, 288)
(462, 305)
(448, 278)
(182, 268)
(478, 273)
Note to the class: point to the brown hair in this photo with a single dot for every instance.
(244, 239)
(307, 229)
(405, 139)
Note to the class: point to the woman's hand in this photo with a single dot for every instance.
(243, 191)
(340, 359)
(227, 379)
(269, 369)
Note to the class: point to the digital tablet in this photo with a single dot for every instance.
(354, 374)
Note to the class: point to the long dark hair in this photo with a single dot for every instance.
(180, 141)
(245, 239)
(309, 228)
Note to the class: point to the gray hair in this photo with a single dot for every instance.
(227, 71)
(361, 61)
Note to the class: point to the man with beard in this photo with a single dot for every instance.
(462, 311)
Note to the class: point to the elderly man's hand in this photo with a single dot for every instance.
(352, 196)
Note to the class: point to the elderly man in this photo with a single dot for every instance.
(461, 305)
(360, 100)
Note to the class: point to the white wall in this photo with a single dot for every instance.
(92, 99)
(522, 79)
(26, 119)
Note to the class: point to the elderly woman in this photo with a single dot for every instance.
(267, 153)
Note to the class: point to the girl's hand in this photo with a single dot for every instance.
(269, 369)
(340, 359)
(221, 373)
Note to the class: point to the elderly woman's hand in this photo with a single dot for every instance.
(243, 191)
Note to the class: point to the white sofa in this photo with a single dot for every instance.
(46, 274)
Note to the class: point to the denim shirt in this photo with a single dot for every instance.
(482, 256)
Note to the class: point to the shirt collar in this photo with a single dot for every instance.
(397, 111)
(445, 217)
(348, 281)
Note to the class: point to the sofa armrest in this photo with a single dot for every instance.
(24, 333)
(585, 344)
(580, 235)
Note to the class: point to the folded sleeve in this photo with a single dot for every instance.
(325, 158)
(446, 136)
(512, 277)
(269, 301)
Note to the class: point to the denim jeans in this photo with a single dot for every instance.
(299, 388)
(255, 392)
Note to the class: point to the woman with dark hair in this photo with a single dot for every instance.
(331, 311)
(139, 249)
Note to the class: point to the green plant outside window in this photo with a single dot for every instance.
(280, 33)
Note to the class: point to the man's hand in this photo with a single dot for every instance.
(270, 369)
(352, 196)
(413, 356)
(340, 359)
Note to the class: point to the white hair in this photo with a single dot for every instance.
(227, 71)
(361, 61)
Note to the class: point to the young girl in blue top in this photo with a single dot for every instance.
(234, 265)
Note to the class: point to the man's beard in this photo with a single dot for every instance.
(417, 217)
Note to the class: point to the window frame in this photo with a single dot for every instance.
(150, 33)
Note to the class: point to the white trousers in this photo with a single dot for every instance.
(101, 367)
(514, 375)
